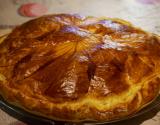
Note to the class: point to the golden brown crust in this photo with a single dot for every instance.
(75, 68)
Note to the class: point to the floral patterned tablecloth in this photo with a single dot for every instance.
(142, 13)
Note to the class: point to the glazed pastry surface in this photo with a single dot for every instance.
(73, 68)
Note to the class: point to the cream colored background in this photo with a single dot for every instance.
(145, 16)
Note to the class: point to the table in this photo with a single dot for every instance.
(142, 14)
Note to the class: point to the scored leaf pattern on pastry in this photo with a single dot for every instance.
(80, 61)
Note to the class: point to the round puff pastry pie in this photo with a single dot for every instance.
(73, 68)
